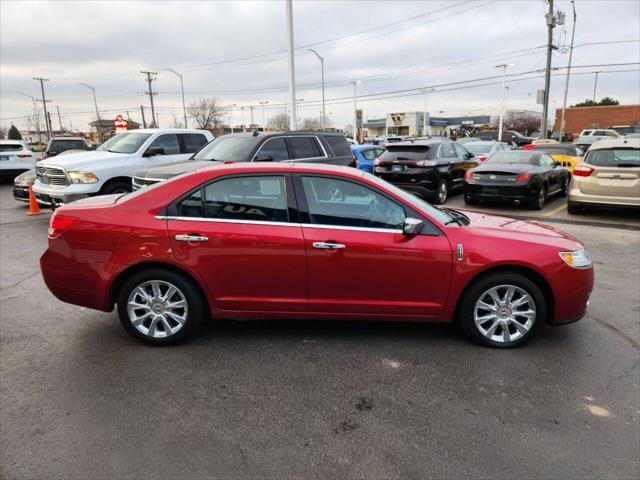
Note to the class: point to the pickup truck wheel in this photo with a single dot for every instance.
(117, 186)
(502, 310)
(160, 307)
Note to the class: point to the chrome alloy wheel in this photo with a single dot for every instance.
(157, 308)
(442, 192)
(504, 313)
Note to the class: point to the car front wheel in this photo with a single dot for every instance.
(538, 202)
(502, 310)
(442, 192)
(160, 307)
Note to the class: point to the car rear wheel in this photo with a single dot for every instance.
(538, 202)
(442, 192)
(160, 307)
(118, 186)
(502, 310)
(470, 200)
(574, 209)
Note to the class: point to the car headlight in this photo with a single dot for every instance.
(83, 177)
(577, 259)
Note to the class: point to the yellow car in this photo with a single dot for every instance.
(566, 153)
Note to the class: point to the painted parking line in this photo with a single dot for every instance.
(555, 210)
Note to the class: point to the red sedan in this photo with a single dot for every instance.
(260, 241)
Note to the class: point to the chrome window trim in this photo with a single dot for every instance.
(277, 224)
(293, 136)
(149, 179)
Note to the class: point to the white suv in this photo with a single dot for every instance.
(109, 168)
(15, 158)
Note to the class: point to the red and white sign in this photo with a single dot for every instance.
(121, 124)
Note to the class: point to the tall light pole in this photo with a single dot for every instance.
(230, 116)
(36, 115)
(504, 90)
(293, 119)
(566, 82)
(95, 103)
(321, 58)
(595, 86)
(263, 104)
(552, 20)
(355, 111)
(44, 105)
(424, 120)
(242, 112)
(184, 109)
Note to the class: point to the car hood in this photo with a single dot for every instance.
(505, 227)
(504, 168)
(84, 160)
(172, 169)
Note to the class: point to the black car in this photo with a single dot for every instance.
(308, 147)
(57, 145)
(427, 168)
(520, 177)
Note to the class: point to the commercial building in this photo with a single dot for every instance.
(412, 124)
(580, 118)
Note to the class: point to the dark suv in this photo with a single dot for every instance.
(308, 147)
(57, 145)
(427, 168)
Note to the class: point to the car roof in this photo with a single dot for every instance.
(486, 142)
(617, 142)
(365, 147)
(259, 134)
(13, 142)
(427, 142)
(284, 167)
(167, 130)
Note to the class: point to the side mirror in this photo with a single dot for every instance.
(152, 151)
(470, 155)
(263, 158)
(411, 226)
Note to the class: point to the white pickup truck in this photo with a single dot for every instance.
(109, 168)
(591, 136)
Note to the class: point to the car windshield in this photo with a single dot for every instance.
(231, 149)
(475, 148)
(510, 157)
(420, 204)
(127, 142)
(617, 157)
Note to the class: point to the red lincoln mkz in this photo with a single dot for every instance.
(260, 241)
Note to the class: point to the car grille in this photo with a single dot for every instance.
(52, 176)
(139, 182)
(495, 177)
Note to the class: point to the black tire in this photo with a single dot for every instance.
(564, 188)
(538, 202)
(477, 291)
(117, 186)
(194, 313)
(470, 200)
(442, 193)
(574, 209)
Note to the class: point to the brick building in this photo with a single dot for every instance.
(579, 118)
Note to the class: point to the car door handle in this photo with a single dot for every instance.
(191, 238)
(328, 245)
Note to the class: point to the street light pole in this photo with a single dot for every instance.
(595, 86)
(263, 104)
(230, 116)
(293, 119)
(95, 103)
(504, 90)
(322, 69)
(424, 120)
(184, 110)
(44, 105)
(566, 82)
(551, 23)
(355, 111)
(36, 116)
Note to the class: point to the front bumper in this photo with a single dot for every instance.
(55, 196)
(21, 193)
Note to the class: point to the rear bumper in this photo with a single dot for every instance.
(579, 198)
(499, 192)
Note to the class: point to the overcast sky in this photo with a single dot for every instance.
(236, 52)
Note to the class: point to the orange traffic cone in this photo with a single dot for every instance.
(34, 208)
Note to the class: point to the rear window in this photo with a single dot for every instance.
(406, 152)
(62, 145)
(10, 147)
(511, 157)
(338, 144)
(616, 157)
(475, 148)
(558, 150)
(193, 142)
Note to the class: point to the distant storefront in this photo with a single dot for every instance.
(412, 124)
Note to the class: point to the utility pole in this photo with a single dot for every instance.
(50, 124)
(595, 86)
(551, 23)
(244, 129)
(95, 104)
(355, 110)
(263, 104)
(504, 90)
(59, 118)
(184, 109)
(252, 123)
(154, 123)
(44, 104)
(231, 116)
(566, 82)
(36, 116)
(144, 122)
(322, 69)
(293, 119)
(424, 120)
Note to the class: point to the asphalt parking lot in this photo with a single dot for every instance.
(81, 399)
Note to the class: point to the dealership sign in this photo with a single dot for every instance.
(121, 124)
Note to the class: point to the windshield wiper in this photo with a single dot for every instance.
(456, 216)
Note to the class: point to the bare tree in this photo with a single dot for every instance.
(348, 130)
(522, 122)
(311, 124)
(279, 122)
(3, 132)
(205, 112)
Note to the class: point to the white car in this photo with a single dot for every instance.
(110, 168)
(591, 136)
(15, 158)
(482, 150)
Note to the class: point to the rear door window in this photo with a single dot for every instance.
(446, 151)
(304, 147)
(338, 144)
(372, 153)
(461, 151)
(193, 142)
(276, 148)
(169, 142)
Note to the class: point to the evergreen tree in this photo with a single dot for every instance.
(14, 134)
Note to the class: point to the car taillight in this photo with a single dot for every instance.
(523, 178)
(355, 162)
(468, 175)
(376, 162)
(426, 163)
(60, 223)
(482, 159)
(583, 171)
(23, 156)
